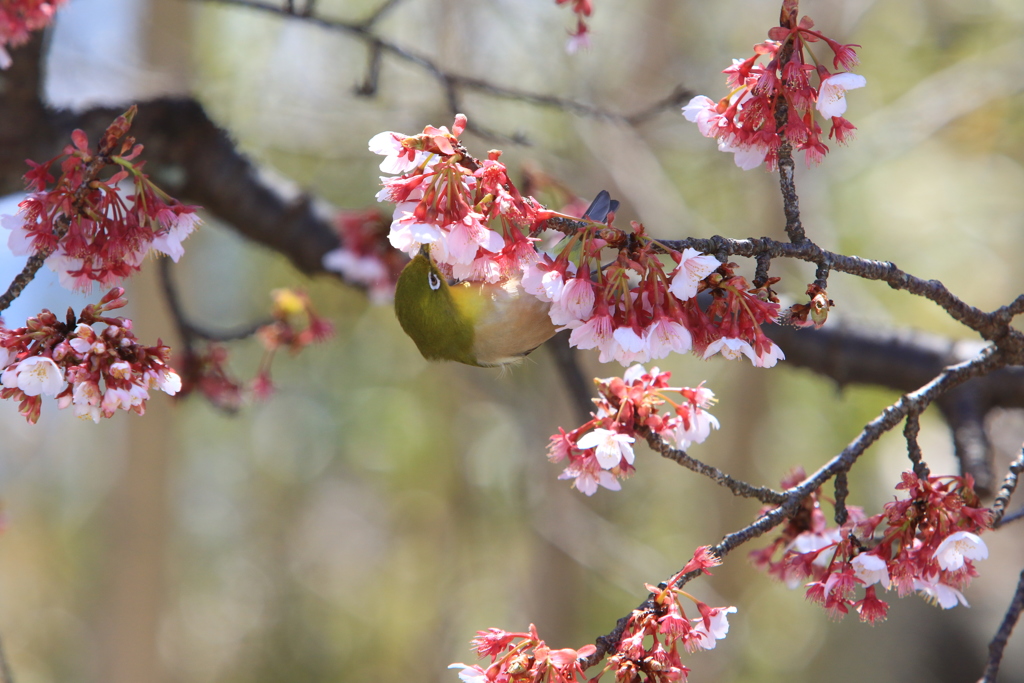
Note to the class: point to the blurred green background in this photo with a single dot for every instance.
(366, 521)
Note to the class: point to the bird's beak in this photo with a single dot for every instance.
(425, 251)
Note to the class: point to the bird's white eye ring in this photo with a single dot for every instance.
(433, 280)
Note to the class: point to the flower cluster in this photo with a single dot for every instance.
(633, 311)
(744, 121)
(517, 656)
(294, 326)
(928, 544)
(94, 370)
(468, 212)
(363, 257)
(600, 452)
(650, 641)
(641, 306)
(18, 18)
(649, 644)
(93, 229)
(580, 38)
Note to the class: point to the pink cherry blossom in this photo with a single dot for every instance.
(703, 111)
(594, 333)
(957, 547)
(397, 158)
(769, 356)
(35, 375)
(730, 348)
(871, 569)
(666, 336)
(587, 479)
(705, 637)
(832, 94)
(692, 268)
(945, 596)
(611, 448)
(408, 233)
(577, 297)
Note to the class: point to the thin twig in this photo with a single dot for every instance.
(998, 644)
(1006, 491)
(447, 80)
(910, 431)
(990, 326)
(576, 383)
(188, 330)
(379, 12)
(738, 487)
(842, 493)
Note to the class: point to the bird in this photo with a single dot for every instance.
(476, 323)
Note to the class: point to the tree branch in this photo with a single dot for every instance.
(998, 644)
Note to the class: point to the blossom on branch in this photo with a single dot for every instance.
(579, 38)
(95, 229)
(92, 363)
(622, 293)
(294, 325)
(648, 646)
(926, 543)
(745, 122)
(600, 452)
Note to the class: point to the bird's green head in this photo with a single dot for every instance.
(428, 312)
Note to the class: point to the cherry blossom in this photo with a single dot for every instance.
(92, 226)
(744, 122)
(956, 547)
(98, 366)
(941, 594)
(693, 267)
(832, 93)
(713, 627)
(34, 375)
(601, 450)
(18, 18)
(871, 569)
(611, 448)
(912, 548)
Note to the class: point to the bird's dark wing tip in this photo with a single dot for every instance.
(602, 205)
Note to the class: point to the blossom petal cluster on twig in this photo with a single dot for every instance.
(744, 121)
(580, 37)
(640, 306)
(600, 452)
(927, 542)
(92, 229)
(649, 645)
(92, 363)
(294, 325)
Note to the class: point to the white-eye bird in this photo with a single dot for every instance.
(476, 323)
